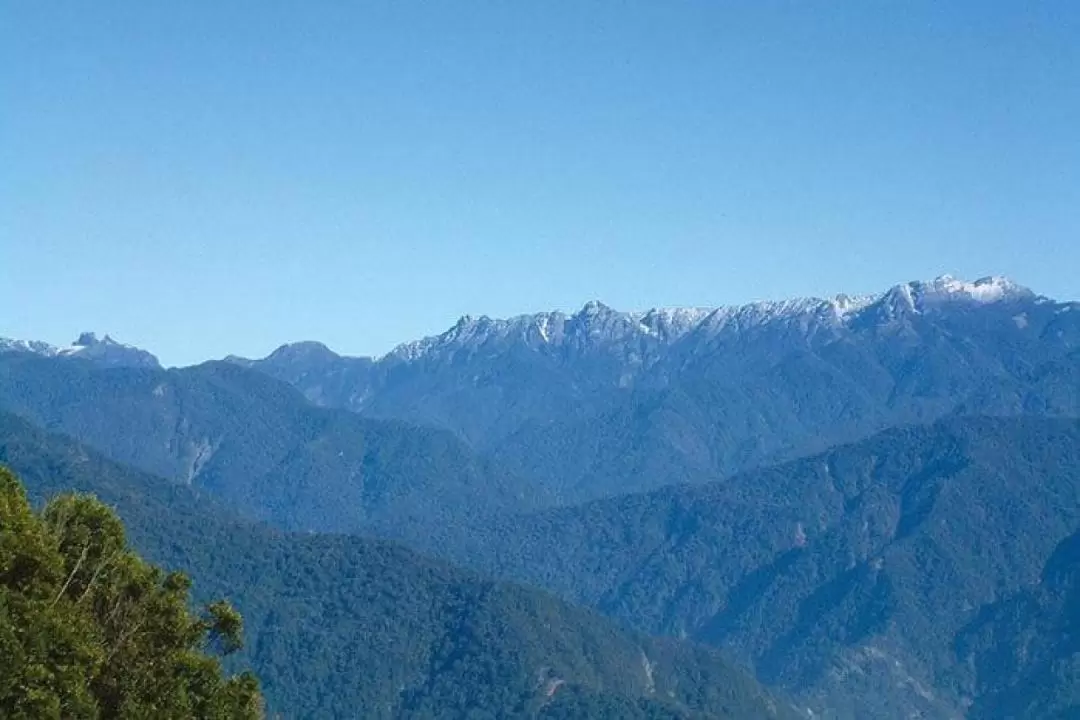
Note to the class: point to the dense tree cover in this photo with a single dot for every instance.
(258, 446)
(339, 626)
(847, 577)
(90, 630)
(1027, 646)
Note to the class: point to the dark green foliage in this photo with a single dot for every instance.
(89, 630)
(844, 577)
(340, 626)
(48, 653)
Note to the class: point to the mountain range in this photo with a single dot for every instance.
(104, 352)
(351, 627)
(602, 403)
(868, 501)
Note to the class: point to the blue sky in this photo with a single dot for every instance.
(220, 177)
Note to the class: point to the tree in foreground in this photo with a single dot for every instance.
(90, 630)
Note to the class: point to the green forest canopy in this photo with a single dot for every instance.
(90, 630)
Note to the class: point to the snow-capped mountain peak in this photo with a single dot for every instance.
(671, 323)
(594, 308)
(596, 322)
(104, 351)
(947, 290)
(989, 289)
(88, 341)
(27, 346)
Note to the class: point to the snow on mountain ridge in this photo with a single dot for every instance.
(669, 325)
(104, 351)
(28, 346)
(598, 324)
(984, 290)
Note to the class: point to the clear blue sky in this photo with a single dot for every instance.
(201, 178)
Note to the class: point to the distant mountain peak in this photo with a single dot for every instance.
(597, 325)
(36, 347)
(672, 322)
(87, 339)
(992, 288)
(304, 350)
(946, 290)
(104, 351)
(594, 307)
(598, 322)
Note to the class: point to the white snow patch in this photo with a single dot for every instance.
(542, 326)
(647, 666)
(984, 290)
(800, 535)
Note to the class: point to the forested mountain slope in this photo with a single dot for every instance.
(341, 626)
(845, 577)
(1026, 647)
(603, 402)
(551, 410)
(259, 447)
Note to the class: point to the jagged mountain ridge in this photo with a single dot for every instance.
(603, 402)
(601, 324)
(597, 325)
(104, 351)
